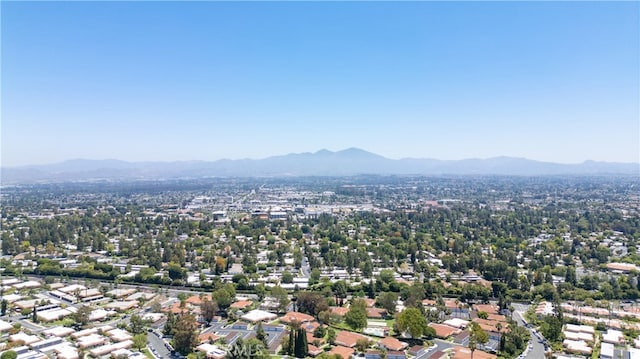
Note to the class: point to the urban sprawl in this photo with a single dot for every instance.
(365, 267)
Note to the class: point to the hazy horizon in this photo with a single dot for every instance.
(167, 81)
(299, 153)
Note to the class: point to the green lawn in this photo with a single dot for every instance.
(390, 323)
(147, 353)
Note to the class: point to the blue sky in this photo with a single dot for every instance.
(551, 81)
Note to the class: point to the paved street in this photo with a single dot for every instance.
(441, 345)
(26, 323)
(157, 346)
(306, 269)
(537, 348)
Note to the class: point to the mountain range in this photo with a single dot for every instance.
(352, 161)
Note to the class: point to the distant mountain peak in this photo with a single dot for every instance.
(354, 151)
(347, 162)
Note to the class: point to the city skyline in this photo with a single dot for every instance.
(167, 81)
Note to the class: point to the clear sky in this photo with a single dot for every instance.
(552, 81)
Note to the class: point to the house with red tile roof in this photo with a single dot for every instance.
(348, 339)
(344, 352)
(197, 300)
(393, 344)
(313, 340)
(497, 318)
(376, 313)
(291, 317)
(465, 353)
(429, 303)
(444, 331)
(208, 338)
(241, 304)
(314, 351)
(339, 311)
(310, 326)
(417, 350)
(438, 355)
(369, 302)
(487, 308)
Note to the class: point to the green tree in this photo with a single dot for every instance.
(281, 295)
(356, 317)
(185, 336)
(260, 291)
(237, 350)
(9, 354)
(319, 332)
(251, 349)
(429, 333)
(551, 328)
(81, 316)
(331, 336)
(261, 335)
(136, 324)
(411, 320)
(176, 271)
(140, 341)
(223, 297)
(362, 344)
(291, 347)
(387, 300)
(311, 303)
(301, 348)
(314, 277)
(476, 336)
(570, 275)
(208, 310)
(287, 277)
(169, 324)
(340, 292)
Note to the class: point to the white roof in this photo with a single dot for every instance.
(99, 314)
(91, 340)
(10, 281)
(119, 335)
(24, 337)
(456, 322)
(72, 288)
(121, 292)
(606, 350)
(58, 331)
(110, 348)
(84, 332)
(613, 337)
(66, 351)
(580, 328)
(257, 315)
(211, 350)
(634, 353)
(10, 298)
(27, 284)
(123, 305)
(577, 346)
(4, 326)
(54, 314)
(578, 336)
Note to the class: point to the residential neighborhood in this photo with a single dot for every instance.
(400, 269)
